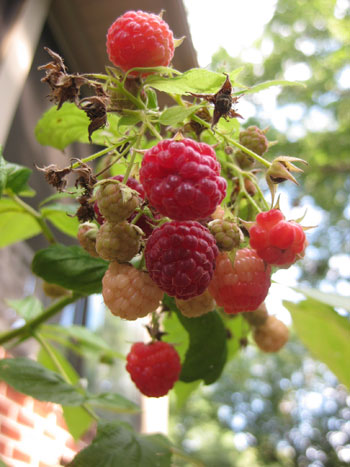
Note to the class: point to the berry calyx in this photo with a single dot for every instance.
(139, 39)
(153, 367)
(128, 292)
(181, 179)
(277, 241)
(241, 286)
(272, 335)
(180, 258)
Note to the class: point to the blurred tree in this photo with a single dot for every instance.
(309, 42)
(280, 410)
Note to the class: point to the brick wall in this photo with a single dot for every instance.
(32, 433)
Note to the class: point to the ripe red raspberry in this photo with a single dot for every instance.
(272, 335)
(196, 306)
(118, 242)
(87, 237)
(242, 286)
(116, 202)
(180, 258)
(139, 39)
(182, 179)
(153, 367)
(128, 292)
(276, 240)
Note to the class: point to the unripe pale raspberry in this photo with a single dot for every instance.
(140, 39)
(272, 335)
(180, 258)
(196, 306)
(87, 237)
(219, 213)
(116, 202)
(128, 292)
(153, 367)
(54, 290)
(242, 286)
(118, 242)
(258, 316)
(181, 179)
(254, 139)
(227, 234)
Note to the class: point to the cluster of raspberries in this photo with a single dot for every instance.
(187, 256)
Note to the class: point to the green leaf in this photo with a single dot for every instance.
(17, 177)
(268, 84)
(70, 267)
(60, 128)
(152, 99)
(117, 445)
(62, 217)
(28, 307)
(183, 391)
(237, 328)
(83, 336)
(207, 351)
(31, 378)
(2, 464)
(129, 120)
(332, 299)
(113, 402)
(3, 173)
(77, 419)
(325, 333)
(196, 80)
(177, 114)
(15, 223)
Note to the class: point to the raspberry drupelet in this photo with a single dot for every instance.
(140, 39)
(153, 367)
(242, 286)
(181, 179)
(180, 258)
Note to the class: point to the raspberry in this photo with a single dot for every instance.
(276, 240)
(54, 290)
(242, 286)
(180, 258)
(272, 335)
(87, 237)
(258, 316)
(139, 39)
(128, 292)
(182, 179)
(115, 201)
(153, 367)
(119, 242)
(144, 222)
(196, 306)
(226, 234)
(254, 139)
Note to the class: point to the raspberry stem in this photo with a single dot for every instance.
(103, 152)
(133, 153)
(28, 328)
(45, 229)
(60, 369)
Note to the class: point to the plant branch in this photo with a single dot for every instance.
(27, 329)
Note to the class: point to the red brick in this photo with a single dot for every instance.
(25, 419)
(5, 406)
(21, 456)
(16, 396)
(3, 448)
(9, 430)
(61, 422)
(42, 408)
